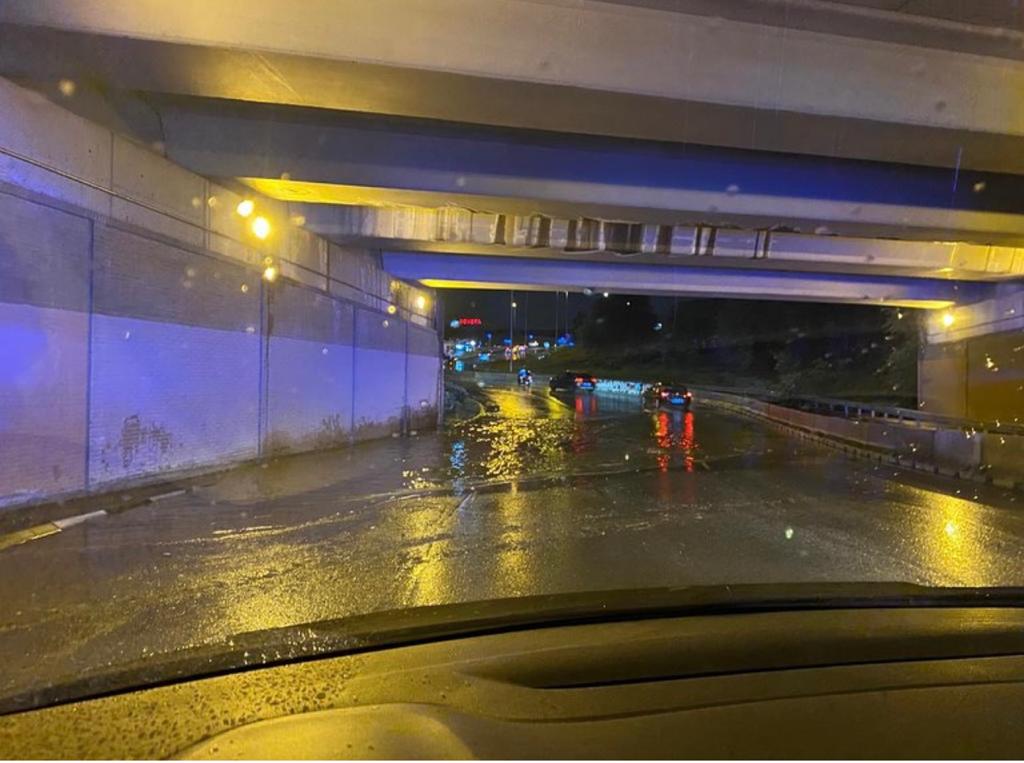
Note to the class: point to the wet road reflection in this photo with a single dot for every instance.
(538, 494)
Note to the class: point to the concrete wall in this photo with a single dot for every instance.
(980, 378)
(138, 338)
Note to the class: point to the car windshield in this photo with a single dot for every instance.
(288, 298)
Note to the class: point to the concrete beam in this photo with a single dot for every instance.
(473, 271)
(463, 231)
(1002, 312)
(301, 156)
(611, 47)
(586, 67)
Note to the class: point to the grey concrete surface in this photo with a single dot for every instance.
(538, 494)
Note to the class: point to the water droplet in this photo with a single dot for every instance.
(66, 87)
(245, 288)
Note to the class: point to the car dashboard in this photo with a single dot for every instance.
(933, 683)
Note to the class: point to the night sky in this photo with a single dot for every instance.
(535, 309)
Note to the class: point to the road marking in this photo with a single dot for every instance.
(165, 496)
(28, 534)
(46, 529)
(465, 502)
(62, 524)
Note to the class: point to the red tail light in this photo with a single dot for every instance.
(579, 380)
(689, 395)
(664, 393)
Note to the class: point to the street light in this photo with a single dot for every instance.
(947, 319)
(260, 227)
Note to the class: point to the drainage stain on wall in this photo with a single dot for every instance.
(150, 442)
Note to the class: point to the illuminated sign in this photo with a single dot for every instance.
(470, 322)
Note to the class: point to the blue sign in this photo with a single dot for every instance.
(459, 366)
(454, 323)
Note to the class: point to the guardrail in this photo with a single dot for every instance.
(860, 410)
(958, 450)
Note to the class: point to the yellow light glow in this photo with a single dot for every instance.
(245, 207)
(421, 302)
(260, 227)
(947, 319)
(392, 309)
(270, 273)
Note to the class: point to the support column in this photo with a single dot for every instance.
(974, 366)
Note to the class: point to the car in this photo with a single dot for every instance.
(573, 381)
(675, 395)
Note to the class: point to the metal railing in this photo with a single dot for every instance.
(859, 409)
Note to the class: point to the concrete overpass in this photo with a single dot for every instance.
(789, 150)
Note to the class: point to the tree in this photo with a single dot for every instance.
(617, 320)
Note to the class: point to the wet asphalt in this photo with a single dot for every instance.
(538, 494)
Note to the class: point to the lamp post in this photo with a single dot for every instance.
(511, 328)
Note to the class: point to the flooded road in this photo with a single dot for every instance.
(537, 494)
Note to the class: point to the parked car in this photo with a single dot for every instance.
(675, 395)
(573, 381)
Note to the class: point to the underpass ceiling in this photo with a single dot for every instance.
(682, 77)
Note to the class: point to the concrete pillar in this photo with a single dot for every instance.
(972, 364)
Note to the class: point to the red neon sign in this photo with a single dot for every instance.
(470, 322)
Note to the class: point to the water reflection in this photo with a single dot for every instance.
(952, 543)
(674, 432)
(585, 405)
(457, 460)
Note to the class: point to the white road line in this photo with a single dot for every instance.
(67, 522)
(165, 496)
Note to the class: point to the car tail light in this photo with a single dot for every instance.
(664, 393)
(689, 395)
(579, 380)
